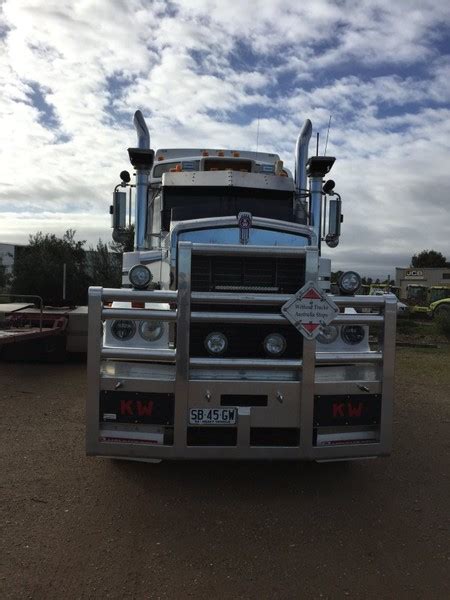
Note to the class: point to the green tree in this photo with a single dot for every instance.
(3, 276)
(335, 276)
(105, 260)
(105, 264)
(39, 267)
(124, 242)
(428, 259)
(366, 280)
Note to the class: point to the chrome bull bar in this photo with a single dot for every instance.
(184, 365)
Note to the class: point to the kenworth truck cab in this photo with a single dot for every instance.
(224, 341)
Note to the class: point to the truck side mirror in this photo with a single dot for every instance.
(118, 210)
(334, 222)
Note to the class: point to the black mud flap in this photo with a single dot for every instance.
(136, 407)
(357, 409)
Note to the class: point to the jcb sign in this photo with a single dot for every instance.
(414, 274)
(360, 409)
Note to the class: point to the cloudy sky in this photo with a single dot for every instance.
(203, 72)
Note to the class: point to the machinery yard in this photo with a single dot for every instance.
(80, 527)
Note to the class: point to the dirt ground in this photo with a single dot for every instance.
(78, 527)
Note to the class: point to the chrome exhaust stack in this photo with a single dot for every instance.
(142, 160)
(301, 181)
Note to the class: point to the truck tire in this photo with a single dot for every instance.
(442, 311)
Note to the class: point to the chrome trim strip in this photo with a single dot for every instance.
(234, 249)
(245, 363)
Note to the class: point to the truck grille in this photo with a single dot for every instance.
(245, 274)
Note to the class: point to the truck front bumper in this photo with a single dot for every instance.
(324, 406)
(347, 416)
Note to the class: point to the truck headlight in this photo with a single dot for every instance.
(349, 282)
(216, 343)
(140, 277)
(123, 329)
(151, 331)
(352, 334)
(275, 344)
(328, 334)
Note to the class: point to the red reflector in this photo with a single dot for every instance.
(138, 305)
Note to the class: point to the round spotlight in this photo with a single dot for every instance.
(328, 334)
(349, 282)
(151, 331)
(352, 334)
(216, 343)
(275, 344)
(123, 329)
(125, 177)
(140, 277)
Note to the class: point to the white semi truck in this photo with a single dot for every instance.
(224, 341)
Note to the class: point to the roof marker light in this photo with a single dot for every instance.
(220, 153)
(236, 154)
(205, 153)
(161, 157)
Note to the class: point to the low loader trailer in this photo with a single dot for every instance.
(224, 341)
(32, 331)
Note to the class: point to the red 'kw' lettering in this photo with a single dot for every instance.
(338, 409)
(144, 410)
(125, 408)
(354, 411)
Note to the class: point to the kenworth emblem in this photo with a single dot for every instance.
(245, 222)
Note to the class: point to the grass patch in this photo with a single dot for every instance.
(407, 325)
(425, 363)
(422, 330)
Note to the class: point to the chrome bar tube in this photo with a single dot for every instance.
(331, 358)
(130, 295)
(139, 313)
(161, 355)
(182, 344)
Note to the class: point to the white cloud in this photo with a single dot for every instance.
(203, 72)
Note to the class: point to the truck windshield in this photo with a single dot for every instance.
(183, 203)
(439, 294)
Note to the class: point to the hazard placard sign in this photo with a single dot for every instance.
(309, 309)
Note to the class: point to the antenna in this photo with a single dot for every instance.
(328, 133)
(317, 144)
(257, 136)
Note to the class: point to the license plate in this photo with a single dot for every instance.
(212, 416)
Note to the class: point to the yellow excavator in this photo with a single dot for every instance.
(433, 301)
